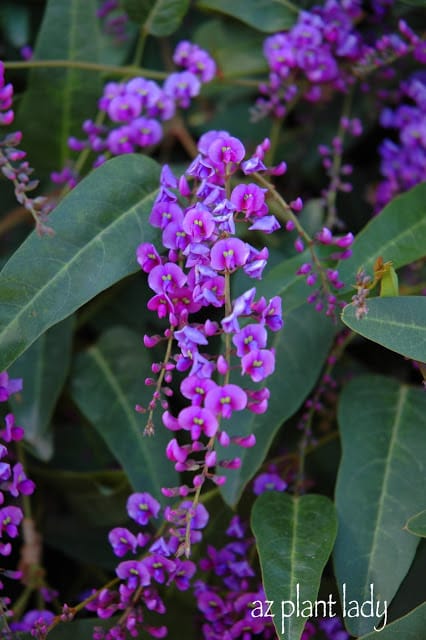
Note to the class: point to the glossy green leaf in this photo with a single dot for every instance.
(301, 348)
(97, 498)
(236, 49)
(158, 17)
(264, 15)
(43, 368)
(381, 483)
(58, 100)
(294, 538)
(417, 524)
(398, 234)
(107, 383)
(398, 323)
(410, 627)
(97, 226)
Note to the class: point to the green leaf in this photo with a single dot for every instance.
(398, 234)
(58, 100)
(44, 368)
(97, 226)
(236, 48)
(157, 17)
(264, 15)
(396, 323)
(107, 383)
(288, 532)
(410, 627)
(380, 484)
(98, 498)
(301, 348)
(417, 524)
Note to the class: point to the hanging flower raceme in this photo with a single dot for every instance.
(198, 215)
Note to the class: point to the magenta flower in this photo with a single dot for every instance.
(122, 541)
(251, 337)
(229, 254)
(250, 199)
(147, 256)
(258, 364)
(198, 223)
(10, 519)
(20, 484)
(12, 431)
(146, 131)
(198, 420)
(182, 87)
(135, 572)
(224, 400)
(164, 213)
(124, 108)
(226, 150)
(165, 277)
(196, 389)
(8, 386)
(141, 507)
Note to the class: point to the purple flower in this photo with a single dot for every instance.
(8, 386)
(258, 364)
(141, 507)
(252, 336)
(182, 87)
(226, 150)
(165, 277)
(146, 131)
(120, 140)
(164, 213)
(20, 484)
(122, 541)
(10, 519)
(195, 389)
(268, 482)
(124, 108)
(229, 254)
(224, 400)
(135, 572)
(198, 420)
(147, 256)
(198, 223)
(12, 431)
(159, 567)
(250, 199)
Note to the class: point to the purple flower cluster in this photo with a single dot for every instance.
(226, 606)
(114, 20)
(13, 164)
(198, 215)
(138, 592)
(137, 108)
(310, 58)
(13, 481)
(403, 163)
(324, 279)
(325, 52)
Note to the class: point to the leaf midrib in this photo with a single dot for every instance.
(115, 222)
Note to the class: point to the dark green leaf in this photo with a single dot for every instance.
(398, 234)
(396, 323)
(58, 100)
(301, 348)
(97, 226)
(236, 48)
(44, 368)
(381, 483)
(98, 498)
(294, 538)
(107, 383)
(157, 17)
(263, 15)
(410, 627)
(417, 524)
